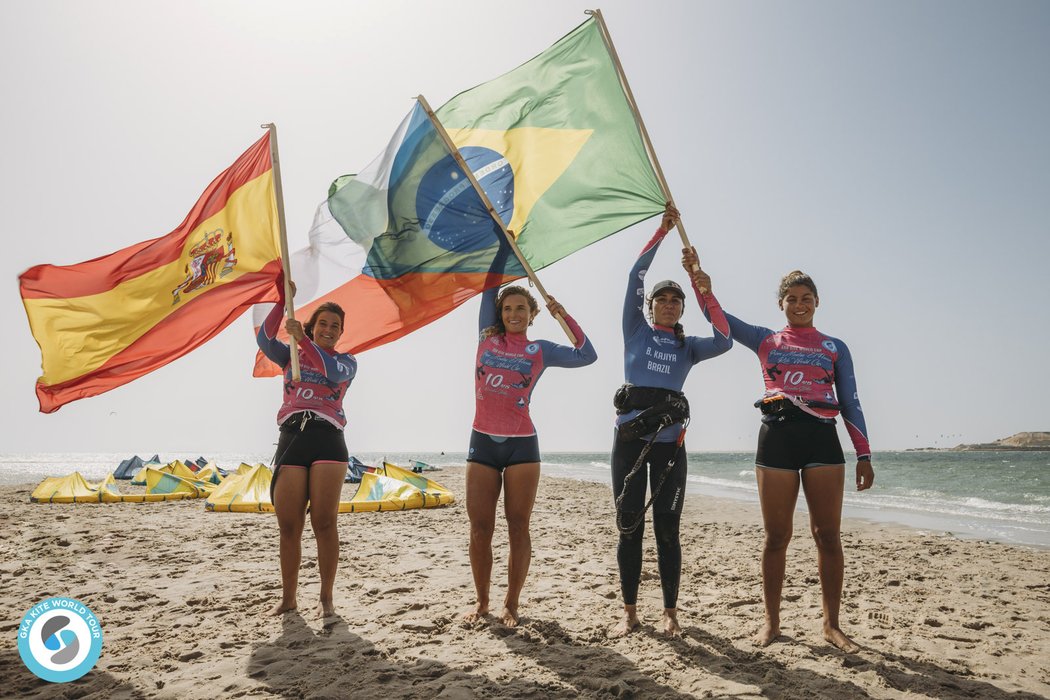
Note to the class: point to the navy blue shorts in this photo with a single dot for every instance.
(797, 444)
(502, 452)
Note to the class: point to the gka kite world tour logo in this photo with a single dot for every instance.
(203, 267)
(59, 639)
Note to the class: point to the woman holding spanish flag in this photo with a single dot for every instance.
(311, 459)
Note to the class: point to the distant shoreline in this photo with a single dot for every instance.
(978, 448)
(1018, 442)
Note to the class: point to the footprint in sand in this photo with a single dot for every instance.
(880, 619)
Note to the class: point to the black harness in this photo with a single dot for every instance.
(780, 409)
(659, 408)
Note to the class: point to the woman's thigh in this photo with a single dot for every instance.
(520, 483)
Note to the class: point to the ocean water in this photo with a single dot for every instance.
(1001, 496)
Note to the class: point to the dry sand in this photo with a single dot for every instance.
(181, 594)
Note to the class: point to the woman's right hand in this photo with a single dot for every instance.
(671, 217)
(295, 329)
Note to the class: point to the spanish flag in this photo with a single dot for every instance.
(105, 322)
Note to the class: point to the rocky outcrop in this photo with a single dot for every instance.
(1019, 441)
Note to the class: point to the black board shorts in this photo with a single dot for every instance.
(317, 441)
(797, 444)
(303, 443)
(502, 452)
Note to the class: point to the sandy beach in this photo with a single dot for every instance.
(181, 594)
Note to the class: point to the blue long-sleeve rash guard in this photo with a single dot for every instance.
(652, 355)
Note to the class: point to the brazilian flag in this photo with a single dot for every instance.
(555, 147)
(561, 122)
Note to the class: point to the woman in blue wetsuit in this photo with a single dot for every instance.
(649, 445)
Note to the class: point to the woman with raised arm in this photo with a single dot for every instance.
(504, 449)
(809, 380)
(311, 459)
(650, 425)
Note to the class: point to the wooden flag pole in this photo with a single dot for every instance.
(492, 212)
(597, 14)
(289, 304)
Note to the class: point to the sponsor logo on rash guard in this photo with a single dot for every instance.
(790, 357)
(516, 364)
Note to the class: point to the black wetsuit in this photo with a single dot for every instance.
(655, 357)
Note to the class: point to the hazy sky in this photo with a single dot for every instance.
(897, 151)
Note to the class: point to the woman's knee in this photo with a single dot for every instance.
(291, 529)
(777, 539)
(666, 528)
(323, 524)
(828, 539)
(481, 529)
(518, 525)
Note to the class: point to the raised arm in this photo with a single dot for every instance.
(489, 313)
(580, 354)
(732, 328)
(634, 303)
(266, 338)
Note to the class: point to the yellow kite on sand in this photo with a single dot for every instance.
(175, 467)
(390, 488)
(160, 486)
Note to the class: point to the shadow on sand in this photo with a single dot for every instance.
(19, 682)
(336, 663)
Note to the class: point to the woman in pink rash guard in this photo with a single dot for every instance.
(311, 459)
(809, 381)
(504, 449)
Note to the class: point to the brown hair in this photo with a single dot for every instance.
(793, 278)
(498, 328)
(329, 306)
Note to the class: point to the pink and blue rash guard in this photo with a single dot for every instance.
(807, 367)
(508, 368)
(323, 377)
(652, 355)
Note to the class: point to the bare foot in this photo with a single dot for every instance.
(627, 624)
(480, 611)
(767, 634)
(671, 627)
(324, 609)
(281, 608)
(509, 617)
(837, 637)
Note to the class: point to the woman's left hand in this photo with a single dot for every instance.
(865, 474)
(555, 308)
(700, 279)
